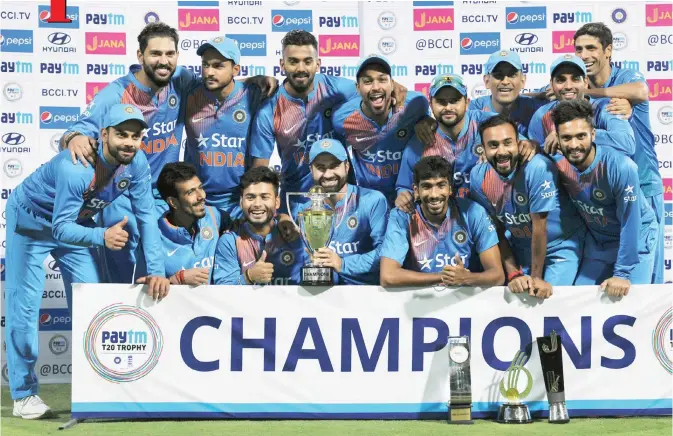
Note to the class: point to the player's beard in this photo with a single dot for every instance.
(577, 155)
(125, 158)
(216, 86)
(150, 72)
(435, 206)
(261, 220)
(303, 86)
(451, 122)
(198, 209)
(333, 184)
(503, 163)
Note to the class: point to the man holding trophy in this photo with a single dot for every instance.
(358, 218)
(254, 251)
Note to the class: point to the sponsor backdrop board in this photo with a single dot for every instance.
(358, 352)
(50, 72)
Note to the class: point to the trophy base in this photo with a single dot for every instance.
(460, 414)
(558, 413)
(514, 414)
(316, 276)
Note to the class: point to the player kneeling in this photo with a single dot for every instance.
(436, 242)
(254, 252)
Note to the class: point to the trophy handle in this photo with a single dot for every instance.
(289, 208)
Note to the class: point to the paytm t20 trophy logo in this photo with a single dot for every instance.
(662, 340)
(123, 343)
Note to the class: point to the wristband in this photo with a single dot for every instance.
(69, 138)
(247, 276)
(514, 274)
(181, 276)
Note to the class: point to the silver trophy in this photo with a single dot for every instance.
(551, 360)
(460, 381)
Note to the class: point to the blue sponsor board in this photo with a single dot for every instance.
(16, 41)
(283, 20)
(55, 319)
(58, 117)
(668, 220)
(251, 44)
(526, 17)
(479, 43)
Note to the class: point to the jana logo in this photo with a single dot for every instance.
(662, 340)
(123, 343)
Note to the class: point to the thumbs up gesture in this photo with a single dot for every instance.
(455, 275)
(115, 236)
(261, 272)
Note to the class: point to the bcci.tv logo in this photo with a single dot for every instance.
(123, 343)
(526, 17)
(286, 20)
(55, 320)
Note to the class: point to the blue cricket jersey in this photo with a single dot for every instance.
(377, 150)
(464, 153)
(420, 246)
(238, 250)
(531, 188)
(185, 250)
(67, 196)
(645, 156)
(524, 109)
(217, 139)
(293, 125)
(163, 138)
(612, 204)
(611, 130)
(360, 226)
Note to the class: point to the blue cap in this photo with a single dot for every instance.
(373, 59)
(327, 145)
(569, 59)
(119, 113)
(442, 80)
(510, 57)
(226, 46)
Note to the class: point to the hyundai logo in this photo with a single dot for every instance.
(526, 38)
(53, 265)
(13, 138)
(59, 38)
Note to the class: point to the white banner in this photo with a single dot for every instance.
(358, 352)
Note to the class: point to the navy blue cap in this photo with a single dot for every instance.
(120, 113)
(327, 145)
(373, 59)
(226, 46)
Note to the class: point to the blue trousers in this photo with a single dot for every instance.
(120, 266)
(657, 203)
(595, 268)
(29, 242)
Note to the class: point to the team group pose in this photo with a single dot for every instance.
(530, 191)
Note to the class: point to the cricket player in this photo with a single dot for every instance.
(505, 79)
(569, 82)
(361, 217)
(376, 131)
(547, 233)
(255, 252)
(218, 116)
(190, 228)
(456, 139)
(593, 43)
(435, 243)
(622, 240)
(50, 213)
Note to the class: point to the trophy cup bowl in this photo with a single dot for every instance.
(513, 411)
(316, 227)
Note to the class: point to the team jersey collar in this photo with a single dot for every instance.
(390, 114)
(597, 158)
(344, 200)
(108, 166)
(213, 97)
(179, 235)
(262, 239)
(463, 131)
(133, 69)
(317, 80)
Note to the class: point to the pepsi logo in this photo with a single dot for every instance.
(466, 43)
(512, 17)
(45, 319)
(46, 117)
(278, 20)
(2, 39)
(44, 16)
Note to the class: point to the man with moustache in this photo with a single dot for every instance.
(255, 252)
(434, 245)
(456, 139)
(622, 240)
(218, 115)
(505, 79)
(50, 212)
(190, 229)
(546, 232)
(376, 131)
(361, 217)
(593, 43)
(569, 82)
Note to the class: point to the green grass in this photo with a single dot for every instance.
(58, 397)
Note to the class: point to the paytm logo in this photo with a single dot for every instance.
(58, 117)
(16, 41)
(343, 21)
(526, 17)
(250, 45)
(480, 43)
(572, 17)
(286, 20)
(44, 14)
